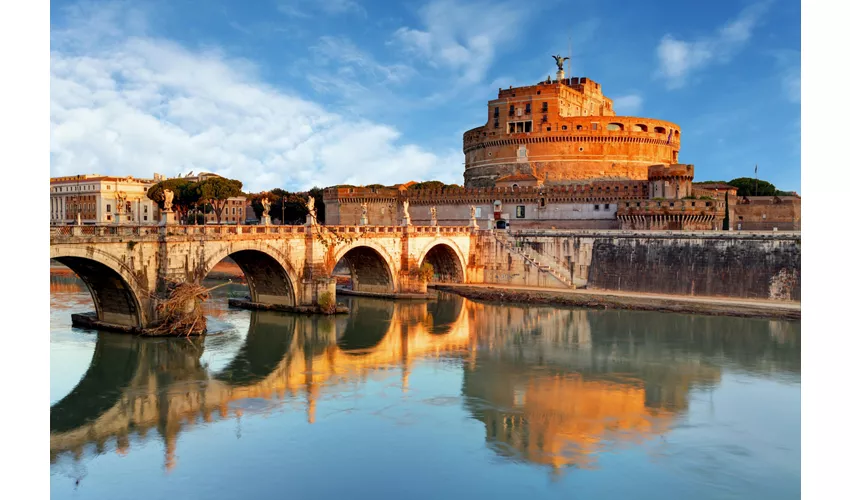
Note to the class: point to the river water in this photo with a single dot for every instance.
(440, 399)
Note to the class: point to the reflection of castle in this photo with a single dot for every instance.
(551, 393)
(550, 385)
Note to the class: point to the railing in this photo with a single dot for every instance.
(232, 230)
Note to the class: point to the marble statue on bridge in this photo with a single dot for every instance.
(168, 199)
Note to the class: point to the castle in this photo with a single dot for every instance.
(556, 155)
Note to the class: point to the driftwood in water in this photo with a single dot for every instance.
(182, 312)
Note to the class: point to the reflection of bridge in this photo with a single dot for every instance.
(127, 268)
(549, 385)
(134, 385)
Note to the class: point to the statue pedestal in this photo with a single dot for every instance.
(473, 223)
(406, 222)
(167, 218)
(311, 220)
(119, 219)
(490, 222)
(559, 75)
(433, 222)
(266, 220)
(364, 221)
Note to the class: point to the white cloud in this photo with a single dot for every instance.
(788, 62)
(343, 56)
(680, 58)
(628, 105)
(462, 37)
(138, 105)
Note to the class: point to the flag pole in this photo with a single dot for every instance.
(757, 179)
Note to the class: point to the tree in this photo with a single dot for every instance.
(747, 187)
(186, 195)
(216, 191)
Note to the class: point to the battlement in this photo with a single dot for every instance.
(675, 171)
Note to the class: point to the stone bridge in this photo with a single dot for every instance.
(127, 268)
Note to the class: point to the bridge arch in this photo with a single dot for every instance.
(446, 258)
(370, 266)
(267, 272)
(119, 297)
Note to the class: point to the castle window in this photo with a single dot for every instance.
(660, 130)
(615, 126)
(496, 112)
(594, 126)
(548, 129)
(511, 110)
(496, 124)
(511, 127)
(671, 203)
(563, 127)
(578, 127)
(515, 186)
(520, 212)
(528, 126)
(596, 207)
(545, 107)
(607, 206)
(693, 203)
(639, 128)
(528, 107)
(108, 208)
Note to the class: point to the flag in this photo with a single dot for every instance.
(669, 136)
(757, 169)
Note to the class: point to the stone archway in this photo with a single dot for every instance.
(446, 261)
(370, 270)
(115, 294)
(269, 280)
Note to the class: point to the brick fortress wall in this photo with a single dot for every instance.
(564, 132)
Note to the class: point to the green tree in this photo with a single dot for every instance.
(747, 187)
(186, 195)
(216, 191)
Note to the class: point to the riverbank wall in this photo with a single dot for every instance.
(757, 265)
(596, 299)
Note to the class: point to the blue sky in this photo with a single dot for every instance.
(296, 93)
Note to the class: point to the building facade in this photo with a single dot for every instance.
(562, 132)
(100, 199)
(556, 156)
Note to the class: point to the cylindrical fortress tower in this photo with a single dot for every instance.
(565, 132)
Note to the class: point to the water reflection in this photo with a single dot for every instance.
(135, 384)
(552, 387)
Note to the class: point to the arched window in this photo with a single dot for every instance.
(660, 130)
(615, 126)
(639, 128)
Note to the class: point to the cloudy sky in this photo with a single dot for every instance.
(297, 93)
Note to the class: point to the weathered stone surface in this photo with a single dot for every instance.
(127, 268)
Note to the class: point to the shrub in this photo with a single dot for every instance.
(326, 303)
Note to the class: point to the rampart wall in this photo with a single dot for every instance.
(748, 265)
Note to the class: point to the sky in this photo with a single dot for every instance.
(299, 93)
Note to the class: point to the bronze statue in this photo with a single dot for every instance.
(560, 61)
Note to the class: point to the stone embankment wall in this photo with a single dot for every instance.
(711, 263)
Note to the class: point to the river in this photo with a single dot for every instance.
(446, 398)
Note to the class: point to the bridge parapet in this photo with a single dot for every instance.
(286, 267)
